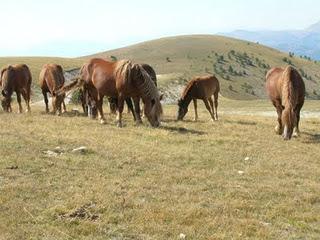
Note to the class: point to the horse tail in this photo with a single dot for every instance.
(289, 97)
(75, 84)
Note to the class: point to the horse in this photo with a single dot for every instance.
(51, 80)
(205, 88)
(136, 111)
(286, 90)
(15, 78)
(120, 79)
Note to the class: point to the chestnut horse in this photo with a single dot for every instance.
(136, 110)
(51, 80)
(286, 91)
(205, 88)
(120, 79)
(15, 78)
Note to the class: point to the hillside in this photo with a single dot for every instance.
(35, 64)
(240, 65)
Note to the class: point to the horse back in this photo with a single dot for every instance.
(100, 74)
(205, 86)
(274, 83)
(51, 78)
(16, 77)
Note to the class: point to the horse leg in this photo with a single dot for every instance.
(279, 127)
(212, 108)
(130, 107)
(64, 107)
(19, 101)
(100, 110)
(296, 130)
(208, 108)
(136, 101)
(120, 110)
(195, 109)
(215, 98)
(26, 97)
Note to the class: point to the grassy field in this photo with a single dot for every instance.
(231, 179)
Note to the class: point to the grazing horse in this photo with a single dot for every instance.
(136, 111)
(203, 88)
(286, 91)
(120, 79)
(15, 78)
(51, 80)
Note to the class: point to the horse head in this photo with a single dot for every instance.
(153, 110)
(182, 109)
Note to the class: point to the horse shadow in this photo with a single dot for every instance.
(182, 130)
(242, 122)
(312, 138)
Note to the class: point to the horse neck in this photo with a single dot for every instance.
(148, 89)
(187, 98)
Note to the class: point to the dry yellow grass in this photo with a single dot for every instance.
(231, 179)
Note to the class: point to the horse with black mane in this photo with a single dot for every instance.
(136, 111)
(286, 90)
(120, 79)
(15, 78)
(204, 88)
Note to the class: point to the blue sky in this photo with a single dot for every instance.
(70, 28)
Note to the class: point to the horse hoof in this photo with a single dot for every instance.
(295, 134)
(119, 125)
(138, 122)
(278, 130)
(102, 121)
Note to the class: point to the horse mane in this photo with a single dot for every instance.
(134, 74)
(187, 88)
(289, 96)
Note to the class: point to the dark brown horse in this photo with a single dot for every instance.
(120, 79)
(51, 80)
(15, 78)
(203, 88)
(286, 90)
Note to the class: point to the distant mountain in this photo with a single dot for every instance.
(302, 42)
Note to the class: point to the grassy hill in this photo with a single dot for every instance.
(240, 65)
(36, 63)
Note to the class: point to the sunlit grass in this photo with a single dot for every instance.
(231, 179)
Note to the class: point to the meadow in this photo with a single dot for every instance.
(230, 179)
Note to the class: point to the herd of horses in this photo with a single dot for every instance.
(127, 82)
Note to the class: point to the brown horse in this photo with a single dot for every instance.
(203, 88)
(286, 90)
(136, 111)
(120, 79)
(15, 78)
(51, 80)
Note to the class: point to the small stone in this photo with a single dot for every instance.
(81, 150)
(182, 236)
(50, 153)
(241, 172)
(247, 159)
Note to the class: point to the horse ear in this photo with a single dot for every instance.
(4, 93)
(60, 68)
(161, 97)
